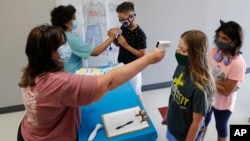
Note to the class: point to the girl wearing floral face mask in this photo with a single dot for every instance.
(132, 42)
(229, 68)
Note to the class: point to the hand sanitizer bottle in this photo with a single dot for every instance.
(111, 55)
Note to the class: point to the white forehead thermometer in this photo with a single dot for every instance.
(163, 44)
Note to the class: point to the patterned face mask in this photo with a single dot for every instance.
(126, 23)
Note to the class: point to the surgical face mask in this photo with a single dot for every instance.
(75, 24)
(223, 46)
(182, 59)
(65, 52)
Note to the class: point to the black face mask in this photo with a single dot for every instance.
(223, 46)
(182, 59)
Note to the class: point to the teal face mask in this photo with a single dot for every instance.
(182, 59)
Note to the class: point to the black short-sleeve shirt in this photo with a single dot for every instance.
(135, 38)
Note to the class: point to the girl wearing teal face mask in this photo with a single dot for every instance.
(192, 89)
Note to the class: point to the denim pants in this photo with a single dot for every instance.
(170, 136)
(94, 32)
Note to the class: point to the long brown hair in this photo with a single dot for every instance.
(42, 41)
(200, 67)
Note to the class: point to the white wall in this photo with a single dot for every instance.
(17, 19)
(160, 19)
(168, 19)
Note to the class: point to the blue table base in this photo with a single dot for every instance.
(120, 98)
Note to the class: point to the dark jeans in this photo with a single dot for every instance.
(19, 134)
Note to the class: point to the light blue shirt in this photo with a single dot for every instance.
(80, 50)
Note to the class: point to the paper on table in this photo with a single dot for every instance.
(119, 118)
(97, 71)
(90, 71)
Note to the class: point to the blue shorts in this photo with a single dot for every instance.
(221, 121)
(170, 136)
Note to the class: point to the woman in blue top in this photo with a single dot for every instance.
(64, 17)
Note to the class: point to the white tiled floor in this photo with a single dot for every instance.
(151, 100)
